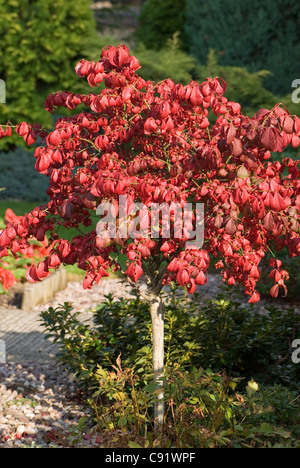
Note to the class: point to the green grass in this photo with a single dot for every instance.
(19, 207)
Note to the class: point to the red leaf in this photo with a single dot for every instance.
(200, 278)
(231, 227)
(192, 286)
(54, 138)
(22, 129)
(236, 147)
(196, 97)
(43, 162)
(274, 290)
(230, 134)
(297, 125)
(278, 203)
(134, 271)
(42, 269)
(31, 274)
(183, 277)
(173, 265)
(295, 141)
(10, 216)
(288, 124)
(268, 222)
(254, 298)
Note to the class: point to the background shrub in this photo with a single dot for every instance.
(243, 86)
(168, 62)
(220, 334)
(159, 20)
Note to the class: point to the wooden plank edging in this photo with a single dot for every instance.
(40, 293)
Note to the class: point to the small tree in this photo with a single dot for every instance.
(153, 143)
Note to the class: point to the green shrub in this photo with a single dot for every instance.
(83, 347)
(168, 62)
(245, 87)
(41, 42)
(219, 334)
(159, 20)
(203, 410)
(212, 351)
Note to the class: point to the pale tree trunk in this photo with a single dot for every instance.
(157, 317)
(157, 311)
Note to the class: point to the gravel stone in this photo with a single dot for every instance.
(32, 416)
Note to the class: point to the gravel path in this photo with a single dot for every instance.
(39, 406)
(22, 331)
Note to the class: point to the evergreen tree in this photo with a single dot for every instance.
(244, 87)
(168, 62)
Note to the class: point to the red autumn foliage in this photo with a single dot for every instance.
(154, 142)
(32, 252)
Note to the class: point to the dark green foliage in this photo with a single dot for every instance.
(19, 179)
(159, 20)
(220, 334)
(256, 35)
(41, 42)
(168, 62)
(84, 347)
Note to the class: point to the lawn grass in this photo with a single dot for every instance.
(19, 207)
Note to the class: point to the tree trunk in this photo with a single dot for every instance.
(157, 315)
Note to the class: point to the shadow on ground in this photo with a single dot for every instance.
(31, 346)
